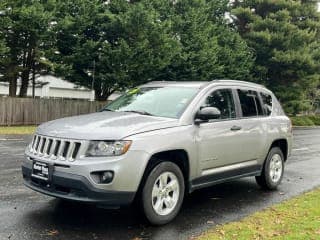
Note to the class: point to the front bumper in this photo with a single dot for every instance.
(75, 187)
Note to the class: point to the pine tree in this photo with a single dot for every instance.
(210, 48)
(111, 46)
(285, 37)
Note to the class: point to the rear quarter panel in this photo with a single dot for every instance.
(277, 126)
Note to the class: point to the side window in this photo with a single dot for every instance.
(266, 103)
(223, 100)
(250, 103)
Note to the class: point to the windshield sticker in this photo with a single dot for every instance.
(134, 91)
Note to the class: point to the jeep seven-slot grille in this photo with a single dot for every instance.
(55, 148)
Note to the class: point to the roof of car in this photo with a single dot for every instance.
(199, 84)
(176, 83)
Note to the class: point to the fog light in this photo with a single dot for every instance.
(103, 177)
(106, 177)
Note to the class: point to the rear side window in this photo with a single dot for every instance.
(250, 103)
(266, 103)
(222, 99)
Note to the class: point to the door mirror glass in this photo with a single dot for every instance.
(208, 113)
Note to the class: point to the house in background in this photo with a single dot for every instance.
(48, 86)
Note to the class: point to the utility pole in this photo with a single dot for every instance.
(93, 75)
(33, 81)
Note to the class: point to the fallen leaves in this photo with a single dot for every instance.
(53, 232)
(222, 232)
(298, 218)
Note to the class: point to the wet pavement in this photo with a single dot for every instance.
(25, 214)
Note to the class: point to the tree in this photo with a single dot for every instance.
(3, 22)
(25, 31)
(285, 37)
(111, 46)
(210, 48)
(3, 47)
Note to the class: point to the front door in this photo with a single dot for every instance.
(219, 140)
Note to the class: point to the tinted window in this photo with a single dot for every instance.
(266, 103)
(250, 103)
(222, 100)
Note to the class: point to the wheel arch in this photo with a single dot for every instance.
(282, 143)
(178, 156)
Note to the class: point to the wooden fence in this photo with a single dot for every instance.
(28, 111)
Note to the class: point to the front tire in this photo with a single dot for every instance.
(163, 193)
(272, 171)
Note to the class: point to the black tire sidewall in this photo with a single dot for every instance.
(149, 212)
(271, 184)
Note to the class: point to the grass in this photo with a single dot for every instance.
(306, 120)
(298, 218)
(17, 130)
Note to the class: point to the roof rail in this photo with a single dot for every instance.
(237, 81)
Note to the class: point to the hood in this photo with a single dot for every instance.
(104, 125)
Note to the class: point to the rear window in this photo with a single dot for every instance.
(266, 103)
(250, 103)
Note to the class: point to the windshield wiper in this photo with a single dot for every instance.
(106, 110)
(139, 112)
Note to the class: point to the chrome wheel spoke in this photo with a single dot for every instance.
(278, 164)
(156, 190)
(169, 202)
(172, 185)
(163, 180)
(159, 205)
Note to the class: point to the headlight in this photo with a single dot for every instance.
(107, 148)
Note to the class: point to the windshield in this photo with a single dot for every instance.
(157, 101)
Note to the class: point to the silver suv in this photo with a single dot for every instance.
(160, 141)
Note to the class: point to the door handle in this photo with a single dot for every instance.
(235, 128)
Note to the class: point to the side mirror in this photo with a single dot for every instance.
(207, 113)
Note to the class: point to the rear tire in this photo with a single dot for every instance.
(273, 169)
(162, 194)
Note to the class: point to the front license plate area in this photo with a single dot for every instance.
(40, 170)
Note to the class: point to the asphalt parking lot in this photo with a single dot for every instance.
(25, 214)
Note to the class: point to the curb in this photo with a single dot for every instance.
(306, 127)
